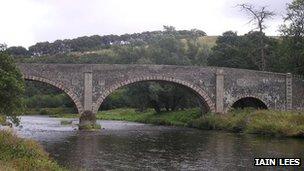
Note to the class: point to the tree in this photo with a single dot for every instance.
(170, 29)
(17, 51)
(3, 47)
(251, 49)
(236, 51)
(11, 88)
(228, 52)
(293, 36)
(258, 17)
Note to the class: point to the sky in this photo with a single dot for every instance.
(26, 22)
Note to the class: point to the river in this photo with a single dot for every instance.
(134, 146)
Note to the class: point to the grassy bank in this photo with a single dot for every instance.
(22, 154)
(177, 118)
(266, 122)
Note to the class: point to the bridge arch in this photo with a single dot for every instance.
(251, 100)
(197, 90)
(72, 96)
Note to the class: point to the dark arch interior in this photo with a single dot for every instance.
(44, 98)
(249, 102)
(180, 94)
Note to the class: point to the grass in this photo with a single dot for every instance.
(22, 154)
(177, 118)
(208, 40)
(265, 122)
(91, 127)
(2, 119)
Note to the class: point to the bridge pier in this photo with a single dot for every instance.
(87, 119)
(88, 91)
(219, 91)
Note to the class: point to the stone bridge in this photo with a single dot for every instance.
(218, 88)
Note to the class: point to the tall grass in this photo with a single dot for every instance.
(21, 154)
(267, 122)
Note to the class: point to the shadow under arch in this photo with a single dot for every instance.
(203, 96)
(249, 101)
(72, 96)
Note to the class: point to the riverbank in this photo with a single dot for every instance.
(23, 154)
(265, 122)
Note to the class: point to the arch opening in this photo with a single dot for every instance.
(46, 97)
(161, 95)
(249, 102)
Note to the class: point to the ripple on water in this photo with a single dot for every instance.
(134, 146)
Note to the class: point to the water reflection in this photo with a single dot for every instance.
(133, 146)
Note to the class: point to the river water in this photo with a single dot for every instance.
(134, 146)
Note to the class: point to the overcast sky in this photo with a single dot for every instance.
(25, 22)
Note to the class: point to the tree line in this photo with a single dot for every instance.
(96, 42)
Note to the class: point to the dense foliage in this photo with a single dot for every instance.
(236, 51)
(293, 37)
(11, 87)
